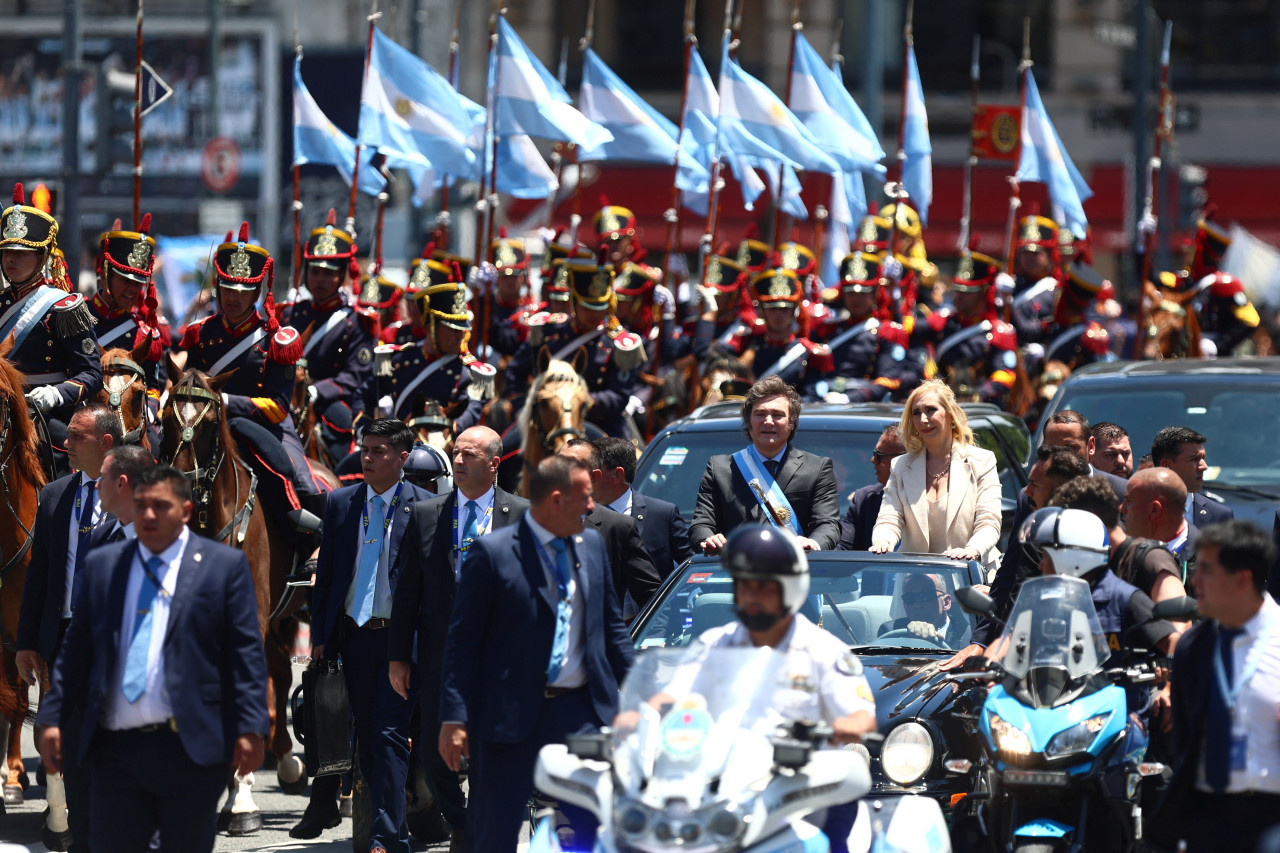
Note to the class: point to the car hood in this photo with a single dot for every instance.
(907, 685)
(1256, 502)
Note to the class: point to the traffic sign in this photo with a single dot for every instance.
(220, 164)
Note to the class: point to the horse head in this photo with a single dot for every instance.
(124, 388)
(197, 438)
(555, 409)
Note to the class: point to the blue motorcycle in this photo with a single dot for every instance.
(1062, 755)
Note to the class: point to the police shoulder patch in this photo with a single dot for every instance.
(848, 664)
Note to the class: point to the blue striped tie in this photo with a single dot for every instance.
(560, 644)
(367, 576)
(135, 663)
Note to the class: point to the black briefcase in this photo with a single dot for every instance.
(322, 719)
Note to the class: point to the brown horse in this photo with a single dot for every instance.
(1172, 328)
(555, 410)
(198, 440)
(21, 478)
(124, 388)
(718, 371)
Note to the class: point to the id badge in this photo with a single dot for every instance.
(1239, 753)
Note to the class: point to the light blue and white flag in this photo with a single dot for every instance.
(640, 133)
(409, 110)
(1044, 159)
(698, 136)
(522, 172)
(821, 101)
(318, 140)
(528, 99)
(847, 207)
(748, 178)
(917, 168)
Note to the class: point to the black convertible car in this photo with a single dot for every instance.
(858, 597)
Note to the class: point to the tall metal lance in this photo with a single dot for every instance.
(137, 128)
(796, 28)
(442, 219)
(487, 205)
(966, 214)
(559, 149)
(717, 182)
(374, 15)
(1015, 193)
(896, 192)
(1155, 173)
(672, 213)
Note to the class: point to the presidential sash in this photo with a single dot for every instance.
(777, 509)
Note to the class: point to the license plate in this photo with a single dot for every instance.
(1035, 777)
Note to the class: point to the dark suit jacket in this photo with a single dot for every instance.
(215, 669)
(1015, 567)
(504, 619)
(665, 534)
(956, 636)
(1206, 511)
(726, 502)
(629, 561)
(855, 527)
(337, 564)
(424, 595)
(43, 596)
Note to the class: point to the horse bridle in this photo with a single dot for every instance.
(545, 438)
(203, 479)
(116, 398)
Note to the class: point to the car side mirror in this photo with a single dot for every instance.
(1182, 609)
(975, 602)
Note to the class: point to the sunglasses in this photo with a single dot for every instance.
(921, 597)
(876, 455)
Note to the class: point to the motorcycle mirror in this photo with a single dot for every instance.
(973, 601)
(1181, 609)
(792, 754)
(591, 745)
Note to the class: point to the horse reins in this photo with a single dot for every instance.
(546, 438)
(116, 398)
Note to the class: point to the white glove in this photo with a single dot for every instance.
(1033, 353)
(45, 397)
(1147, 225)
(1208, 348)
(664, 300)
(837, 397)
(385, 404)
(481, 278)
(891, 268)
(1004, 283)
(708, 294)
(226, 400)
(312, 393)
(923, 630)
(634, 405)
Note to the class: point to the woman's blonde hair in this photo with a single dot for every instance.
(960, 432)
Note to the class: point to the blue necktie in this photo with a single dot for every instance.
(1217, 743)
(469, 530)
(84, 524)
(367, 576)
(135, 663)
(560, 644)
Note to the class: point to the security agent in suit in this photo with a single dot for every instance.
(1225, 790)
(770, 415)
(1182, 450)
(121, 469)
(864, 504)
(663, 529)
(634, 573)
(1071, 430)
(163, 674)
(508, 687)
(441, 531)
(351, 603)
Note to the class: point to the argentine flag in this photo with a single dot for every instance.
(522, 173)
(318, 140)
(917, 168)
(1044, 159)
(823, 104)
(528, 100)
(698, 136)
(411, 113)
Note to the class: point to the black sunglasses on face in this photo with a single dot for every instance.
(876, 455)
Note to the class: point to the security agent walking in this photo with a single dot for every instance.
(164, 669)
(536, 650)
(768, 481)
(1226, 689)
(356, 579)
(442, 530)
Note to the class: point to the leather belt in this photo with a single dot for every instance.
(168, 725)
(557, 692)
(374, 624)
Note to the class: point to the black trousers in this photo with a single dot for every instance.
(144, 781)
(1229, 823)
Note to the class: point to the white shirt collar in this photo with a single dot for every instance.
(386, 496)
(622, 504)
(776, 457)
(129, 531)
(542, 534)
(85, 480)
(1268, 612)
(168, 555)
(484, 501)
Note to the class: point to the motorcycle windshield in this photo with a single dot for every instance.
(1053, 625)
(686, 714)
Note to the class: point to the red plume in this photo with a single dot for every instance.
(331, 218)
(457, 271)
(604, 200)
(244, 232)
(117, 224)
(602, 254)
(502, 231)
(974, 243)
(145, 227)
(18, 196)
(429, 250)
(228, 239)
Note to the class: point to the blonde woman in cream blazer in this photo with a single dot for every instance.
(943, 495)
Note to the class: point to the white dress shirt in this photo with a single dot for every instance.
(73, 537)
(573, 672)
(382, 586)
(1254, 715)
(153, 706)
(623, 503)
(484, 502)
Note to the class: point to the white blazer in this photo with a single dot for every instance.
(973, 504)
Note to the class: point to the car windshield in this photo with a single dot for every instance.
(1241, 422)
(864, 602)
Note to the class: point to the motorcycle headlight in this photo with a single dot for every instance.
(1008, 737)
(907, 753)
(726, 823)
(1078, 738)
(633, 820)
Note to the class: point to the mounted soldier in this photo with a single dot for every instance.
(778, 342)
(725, 305)
(512, 301)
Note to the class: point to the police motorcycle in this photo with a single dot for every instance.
(699, 759)
(1062, 757)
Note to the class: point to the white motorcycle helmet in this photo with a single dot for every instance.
(1075, 540)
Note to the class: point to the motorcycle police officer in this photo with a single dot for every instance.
(339, 352)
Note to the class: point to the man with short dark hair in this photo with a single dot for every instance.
(769, 481)
(121, 468)
(1111, 452)
(1226, 688)
(1070, 429)
(536, 651)
(1181, 450)
(663, 529)
(351, 603)
(864, 504)
(163, 668)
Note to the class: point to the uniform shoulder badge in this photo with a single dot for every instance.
(286, 346)
(71, 317)
(848, 664)
(483, 379)
(364, 356)
(628, 351)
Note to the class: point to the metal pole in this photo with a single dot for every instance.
(872, 72)
(215, 46)
(1141, 129)
(71, 74)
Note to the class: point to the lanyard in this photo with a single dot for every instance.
(483, 525)
(564, 585)
(1251, 663)
(151, 576)
(388, 517)
(82, 528)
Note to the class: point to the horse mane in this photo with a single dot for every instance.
(557, 371)
(26, 458)
(198, 379)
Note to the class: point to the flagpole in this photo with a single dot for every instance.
(443, 217)
(966, 214)
(575, 219)
(1015, 197)
(672, 214)
(487, 203)
(717, 182)
(894, 189)
(1164, 129)
(374, 15)
(137, 128)
(558, 149)
(796, 27)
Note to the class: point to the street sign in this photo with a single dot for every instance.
(154, 90)
(220, 164)
(1114, 34)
